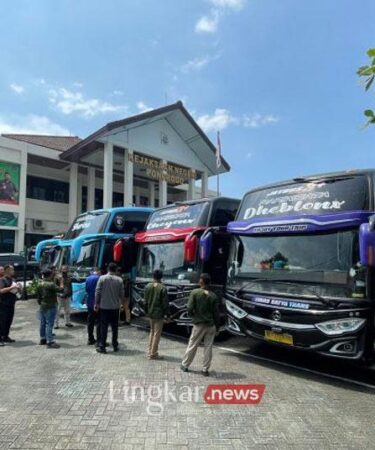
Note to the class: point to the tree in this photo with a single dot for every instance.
(368, 73)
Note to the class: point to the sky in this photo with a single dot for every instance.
(276, 77)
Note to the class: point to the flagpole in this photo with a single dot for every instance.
(218, 162)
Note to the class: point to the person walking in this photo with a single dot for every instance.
(157, 310)
(126, 279)
(203, 308)
(47, 299)
(92, 315)
(64, 298)
(109, 294)
(8, 297)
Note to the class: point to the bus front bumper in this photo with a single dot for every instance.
(350, 345)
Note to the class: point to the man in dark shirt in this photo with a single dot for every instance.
(8, 297)
(156, 309)
(92, 315)
(203, 309)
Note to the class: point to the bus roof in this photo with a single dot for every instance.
(121, 209)
(200, 200)
(343, 173)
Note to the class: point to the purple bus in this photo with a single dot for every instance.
(301, 265)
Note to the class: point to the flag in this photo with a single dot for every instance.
(218, 151)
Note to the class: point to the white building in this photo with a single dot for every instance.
(150, 159)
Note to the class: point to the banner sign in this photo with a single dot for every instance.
(8, 219)
(9, 183)
(184, 216)
(157, 170)
(320, 197)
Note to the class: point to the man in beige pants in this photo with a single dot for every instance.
(156, 309)
(203, 308)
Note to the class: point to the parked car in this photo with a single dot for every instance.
(17, 261)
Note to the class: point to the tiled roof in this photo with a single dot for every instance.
(60, 143)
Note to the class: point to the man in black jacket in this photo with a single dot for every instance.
(8, 297)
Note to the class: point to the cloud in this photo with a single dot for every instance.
(219, 120)
(230, 4)
(249, 155)
(222, 118)
(17, 88)
(117, 93)
(142, 107)
(198, 63)
(69, 102)
(208, 24)
(32, 124)
(257, 120)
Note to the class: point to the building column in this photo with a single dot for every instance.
(108, 175)
(19, 241)
(128, 177)
(163, 190)
(151, 194)
(204, 191)
(90, 188)
(73, 187)
(137, 196)
(191, 189)
(79, 197)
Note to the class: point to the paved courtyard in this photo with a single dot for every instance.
(73, 398)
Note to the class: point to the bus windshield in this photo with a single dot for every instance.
(168, 257)
(89, 223)
(329, 261)
(321, 196)
(180, 216)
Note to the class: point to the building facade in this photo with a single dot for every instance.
(151, 159)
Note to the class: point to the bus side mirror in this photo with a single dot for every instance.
(205, 246)
(117, 251)
(367, 243)
(190, 248)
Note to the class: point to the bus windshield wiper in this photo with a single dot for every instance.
(289, 283)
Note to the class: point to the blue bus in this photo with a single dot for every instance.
(301, 268)
(90, 243)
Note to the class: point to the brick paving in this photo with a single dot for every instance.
(61, 399)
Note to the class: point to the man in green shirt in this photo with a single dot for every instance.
(47, 299)
(203, 309)
(156, 309)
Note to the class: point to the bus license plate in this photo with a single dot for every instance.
(278, 337)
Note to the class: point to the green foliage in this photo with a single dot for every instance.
(368, 74)
(31, 288)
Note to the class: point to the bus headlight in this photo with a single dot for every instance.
(237, 312)
(340, 326)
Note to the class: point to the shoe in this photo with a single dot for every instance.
(101, 350)
(116, 349)
(69, 325)
(156, 357)
(2, 343)
(43, 342)
(56, 327)
(8, 340)
(127, 324)
(91, 342)
(53, 345)
(184, 369)
(205, 373)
